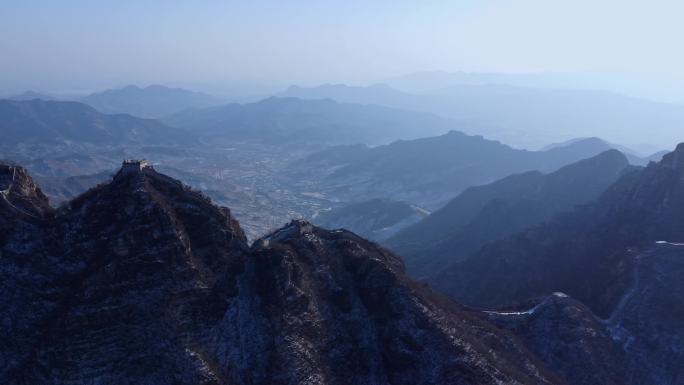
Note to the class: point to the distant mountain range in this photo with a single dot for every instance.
(30, 95)
(559, 266)
(429, 81)
(276, 121)
(294, 120)
(487, 213)
(524, 116)
(376, 219)
(664, 90)
(430, 171)
(152, 101)
(40, 121)
(598, 144)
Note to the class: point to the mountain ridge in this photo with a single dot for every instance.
(430, 171)
(143, 279)
(523, 116)
(641, 207)
(51, 122)
(294, 120)
(153, 101)
(483, 214)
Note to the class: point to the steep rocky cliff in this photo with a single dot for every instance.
(115, 287)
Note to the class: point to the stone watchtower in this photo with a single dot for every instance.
(132, 166)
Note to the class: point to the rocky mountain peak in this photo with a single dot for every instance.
(134, 166)
(19, 193)
(611, 154)
(137, 189)
(322, 288)
(656, 193)
(674, 159)
(294, 229)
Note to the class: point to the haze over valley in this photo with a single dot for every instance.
(341, 193)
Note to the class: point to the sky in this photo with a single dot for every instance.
(82, 45)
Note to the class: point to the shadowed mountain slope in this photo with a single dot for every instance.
(430, 171)
(585, 253)
(143, 280)
(376, 219)
(639, 343)
(487, 213)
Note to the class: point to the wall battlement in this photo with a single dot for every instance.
(130, 166)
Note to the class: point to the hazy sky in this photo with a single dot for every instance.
(91, 44)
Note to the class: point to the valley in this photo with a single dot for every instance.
(331, 223)
(341, 192)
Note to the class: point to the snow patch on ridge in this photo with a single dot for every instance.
(669, 243)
